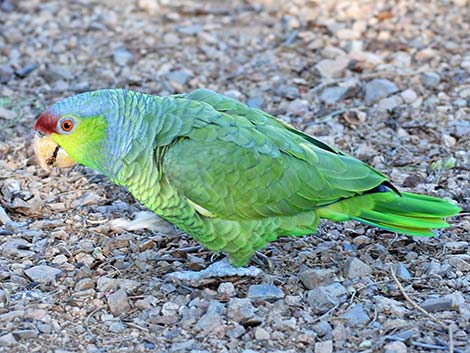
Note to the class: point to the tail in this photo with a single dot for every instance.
(406, 213)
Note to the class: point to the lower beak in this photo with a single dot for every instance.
(50, 154)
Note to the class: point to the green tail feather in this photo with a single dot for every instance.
(409, 213)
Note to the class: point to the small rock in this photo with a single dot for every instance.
(43, 273)
(236, 331)
(390, 306)
(460, 262)
(182, 346)
(289, 92)
(460, 128)
(106, 284)
(25, 333)
(211, 321)
(265, 292)
(6, 74)
(395, 347)
(226, 288)
(118, 302)
(332, 95)
(190, 30)
(84, 283)
(240, 310)
(378, 89)
(180, 77)
(402, 272)
(323, 328)
(171, 38)
(332, 68)
(7, 114)
(355, 268)
(356, 316)
(60, 259)
(409, 96)
(316, 277)
(26, 70)
(437, 304)
(324, 347)
(430, 79)
(117, 327)
(7, 340)
(261, 334)
(298, 107)
(389, 103)
(324, 298)
(457, 246)
(122, 56)
(255, 102)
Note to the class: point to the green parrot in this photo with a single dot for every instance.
(231, 176)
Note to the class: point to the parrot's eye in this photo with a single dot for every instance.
(67, 124)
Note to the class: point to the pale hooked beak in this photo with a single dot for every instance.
(50, 154)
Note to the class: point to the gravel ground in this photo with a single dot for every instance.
(388, 82)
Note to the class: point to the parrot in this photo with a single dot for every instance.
(234, 178)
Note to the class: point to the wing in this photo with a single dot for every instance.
(242, 163)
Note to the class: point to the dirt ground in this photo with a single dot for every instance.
(388, 82)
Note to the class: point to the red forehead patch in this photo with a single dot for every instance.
(46, 123)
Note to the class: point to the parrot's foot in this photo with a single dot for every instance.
(218, 269)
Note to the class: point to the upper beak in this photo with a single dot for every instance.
(50, 154)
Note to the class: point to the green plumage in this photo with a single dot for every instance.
(236, 178)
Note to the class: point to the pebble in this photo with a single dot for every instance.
(266, 292)
(378, 89)
(42, 273)
(117, 327)
(106, 284)
(389, 103)
(118, 302)
(437, 304)
(323, 328)
(289, 92)
(395, 347)
(236, 331)
(460, 128)
(356, 316)
(189, 30)
(324, 298)
(6, 113)
(122, 56)
(59, 260)
(298, 107)
(226, 288)
(255, 102)
(211, 321)
(6, 74)
(316, 277)
(430, 79)
(329, 68)
(240, 310)
(402, 272)
(409, 96)
(332, 95)
(324, 347)
(25, 333)
(460, 262)
(7, 340)
(262, 334)
(390, 306)
(180, 77)
(26, 70)
(457, 246)
(355, 268)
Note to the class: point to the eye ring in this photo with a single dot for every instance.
(66, 124)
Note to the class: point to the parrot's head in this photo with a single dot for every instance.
(74, 130)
